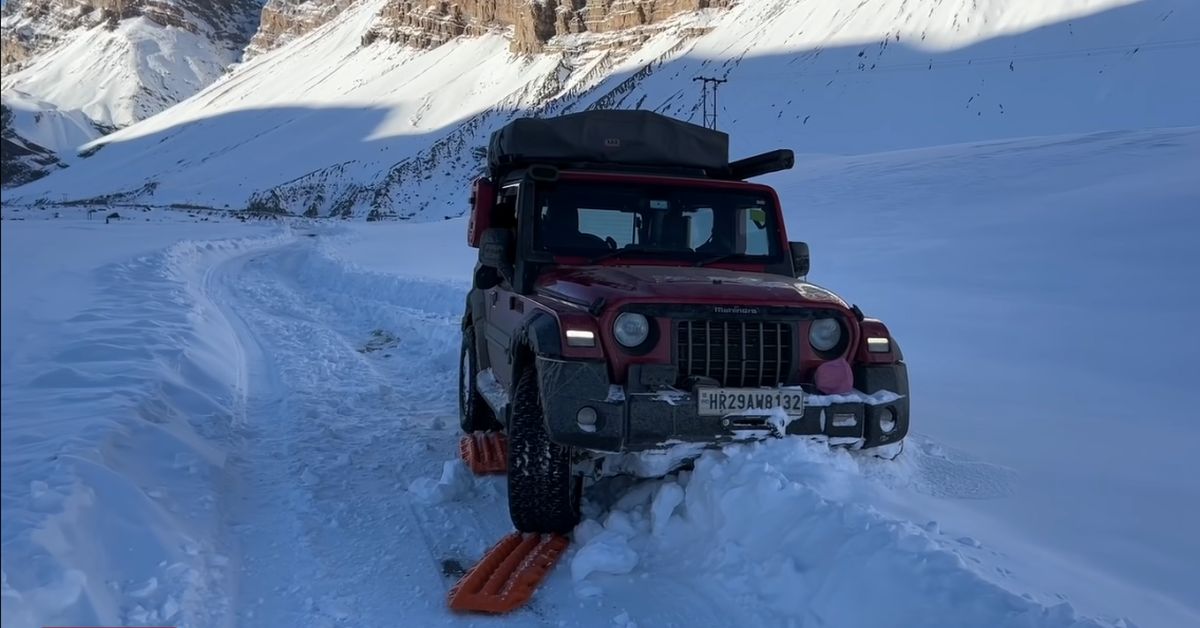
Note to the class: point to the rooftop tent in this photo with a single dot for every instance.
(618, 136)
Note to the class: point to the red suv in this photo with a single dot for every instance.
(634, 292)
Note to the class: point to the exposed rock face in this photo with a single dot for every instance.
(21, 160)
(534, 22)
(429, 23)
(284, 20)
(33, 26)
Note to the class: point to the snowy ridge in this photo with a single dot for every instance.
(334, 126)
(120, 62)
(39, 138)
(46, 125)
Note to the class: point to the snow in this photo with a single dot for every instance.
(120, 76)
(330, 124)
(455, 484)
(214, 423)
(196, 432)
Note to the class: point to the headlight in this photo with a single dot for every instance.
(824, 334)
(631, 329)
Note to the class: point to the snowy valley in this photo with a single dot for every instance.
(210, 421)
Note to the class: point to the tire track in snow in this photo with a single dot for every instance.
(340, 515)
(328, 528)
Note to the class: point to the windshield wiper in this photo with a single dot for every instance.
(616, 253)
(715, 259)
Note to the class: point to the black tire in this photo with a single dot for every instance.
(543, 495)
(474, 414)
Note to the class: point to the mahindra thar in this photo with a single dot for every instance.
(634, 292)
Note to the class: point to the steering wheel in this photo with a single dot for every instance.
(612, 244)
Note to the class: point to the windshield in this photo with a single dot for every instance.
(599, 220)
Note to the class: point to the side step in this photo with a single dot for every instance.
(484, 452)
(507, 575)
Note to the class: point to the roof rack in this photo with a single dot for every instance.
(623, 140)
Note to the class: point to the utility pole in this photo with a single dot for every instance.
(710, 118)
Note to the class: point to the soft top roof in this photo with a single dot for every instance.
(610, 137)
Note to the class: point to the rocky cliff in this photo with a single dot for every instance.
(533, 23)
(284, 20)
(429, 23)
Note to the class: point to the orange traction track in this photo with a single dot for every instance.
(508, 574)
(484, 452)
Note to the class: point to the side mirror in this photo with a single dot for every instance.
(496, 250)
(799, 258)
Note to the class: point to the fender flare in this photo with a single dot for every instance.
(539, 336)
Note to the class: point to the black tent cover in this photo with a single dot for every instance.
(615, 136)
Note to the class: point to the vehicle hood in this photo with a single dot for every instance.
(673, 284)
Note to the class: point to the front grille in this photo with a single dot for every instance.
(735, 353)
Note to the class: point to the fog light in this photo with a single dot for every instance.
(581, 338)
(586, 417)
(879, 345)
(887, 421)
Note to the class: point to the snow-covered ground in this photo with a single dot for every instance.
(254, 424)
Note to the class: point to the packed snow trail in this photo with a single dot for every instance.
(350, 414)
(348, 504)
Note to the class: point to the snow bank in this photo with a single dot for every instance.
(784, 528)
(121, 385)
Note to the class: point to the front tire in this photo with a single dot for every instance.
(474, 414)
(543, 495)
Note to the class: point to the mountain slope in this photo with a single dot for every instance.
(119, 62)
(333, 124)
(39, 137)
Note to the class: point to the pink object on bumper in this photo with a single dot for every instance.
(835, 377)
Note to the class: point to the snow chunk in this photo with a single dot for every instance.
(669, 496)
(653, 463)
(456, 482)
(877, 398)
(608, 552)
(671, 396)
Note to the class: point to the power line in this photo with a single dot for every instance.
(710, 118)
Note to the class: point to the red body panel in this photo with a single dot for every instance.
(566, 292)
(681, 284)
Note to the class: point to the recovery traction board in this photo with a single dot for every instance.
(508, 574)
(484, 452)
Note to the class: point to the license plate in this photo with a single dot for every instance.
(723, 401)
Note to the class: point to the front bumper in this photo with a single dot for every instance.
(647, 412)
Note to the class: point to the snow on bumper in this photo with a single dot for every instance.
(647, 412)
